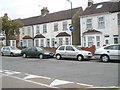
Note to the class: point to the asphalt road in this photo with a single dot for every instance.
(93, 72)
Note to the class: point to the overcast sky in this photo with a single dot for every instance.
(29, 8)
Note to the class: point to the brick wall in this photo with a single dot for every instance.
(91, 49)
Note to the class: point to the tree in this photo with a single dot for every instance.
(10, 27)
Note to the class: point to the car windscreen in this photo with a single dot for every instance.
(14, 48)
(39, 49)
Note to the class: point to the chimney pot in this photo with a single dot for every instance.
(90, 3)
(44, 11)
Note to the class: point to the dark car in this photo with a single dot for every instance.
(36, 52)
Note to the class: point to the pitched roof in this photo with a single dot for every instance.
(62, 34)
(57, 16)
(91, 31)
(27, 37)
(39, 36)
(102, 7)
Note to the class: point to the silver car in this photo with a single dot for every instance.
(109, 52)
(72, 51)
(10, 50)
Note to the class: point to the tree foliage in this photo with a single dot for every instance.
(10, 27)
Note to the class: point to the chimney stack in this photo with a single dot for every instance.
(90, 3)
(44, 11)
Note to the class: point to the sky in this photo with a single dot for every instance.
(30, 8)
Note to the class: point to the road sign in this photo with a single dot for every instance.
(71, 28)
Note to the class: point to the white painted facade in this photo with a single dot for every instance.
(107, 34)
(26, 30)
(50, 39)
(2, 39)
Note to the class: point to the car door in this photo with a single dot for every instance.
(113, 51)
(61, 51)
(34, 52)
(29, 51)
(6, 51)
(70, 52)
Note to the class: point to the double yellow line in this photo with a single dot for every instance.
(105, 87)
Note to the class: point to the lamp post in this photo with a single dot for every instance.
(71, 20)
(71, 8)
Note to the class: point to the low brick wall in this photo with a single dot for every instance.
(91, 49)
(51, 49)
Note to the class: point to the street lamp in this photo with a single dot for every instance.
(71, 9)
(71, 21)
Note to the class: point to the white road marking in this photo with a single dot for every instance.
(8, 72)
(1, 71)
(59, 82)
(85, 84)
(14, 72)
(31, 81)
(11, 72)
(35, 76)
(30, 76)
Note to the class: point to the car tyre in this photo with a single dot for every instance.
(2, 54)
(25, 55)
(11, 54)
(41, 56)
(80, 58)
(58, 56)
(104, 58)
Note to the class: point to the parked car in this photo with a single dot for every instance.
(36, 52)
(109, 52)
(72, 51)
(10, 50)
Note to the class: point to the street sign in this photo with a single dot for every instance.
(71, 28)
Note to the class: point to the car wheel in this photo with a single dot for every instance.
(2, 54)
(41, 56)
(11, 54)
(104, 58)
(58, 56)
(80, 58)
(24, 55)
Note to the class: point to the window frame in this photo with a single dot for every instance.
(90, 41)
(45, 28)
(37, 29)
(23, 31)
(65, 25)
(60, 41)
(118, 18)
(55, 26)
(101, 23)
(98, 41)
(89, 23)
(116, 42)
(29, 31)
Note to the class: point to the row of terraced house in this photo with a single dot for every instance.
(98, 24)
